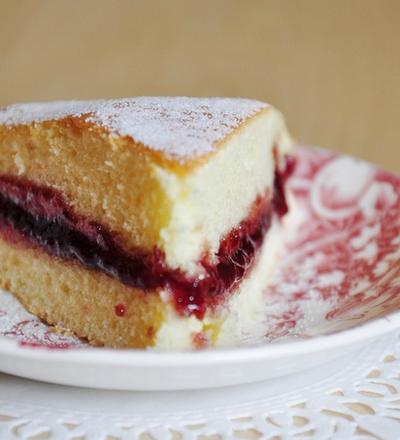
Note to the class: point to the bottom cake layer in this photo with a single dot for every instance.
(107, 312)
(90, 304)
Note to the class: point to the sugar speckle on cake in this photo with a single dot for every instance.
(181, 127)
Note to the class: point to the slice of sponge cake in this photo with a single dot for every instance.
(135, 222)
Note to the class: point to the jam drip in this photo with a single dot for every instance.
(40, 217)
(281, 176)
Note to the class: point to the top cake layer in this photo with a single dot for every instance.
(181, 128)
(204, 165)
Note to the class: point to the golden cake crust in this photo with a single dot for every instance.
(177, 130)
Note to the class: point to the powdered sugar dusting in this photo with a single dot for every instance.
(17, 323)
(180, 127)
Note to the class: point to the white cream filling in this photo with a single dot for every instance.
(217, 196)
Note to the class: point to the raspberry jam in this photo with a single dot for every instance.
(40, 217)
(281, 176)
(120, 310)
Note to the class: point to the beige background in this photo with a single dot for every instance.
(332, 66)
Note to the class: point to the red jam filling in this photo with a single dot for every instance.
(40, 216)
(281, 176)
(120, 310)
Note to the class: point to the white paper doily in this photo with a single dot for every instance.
(354, 397)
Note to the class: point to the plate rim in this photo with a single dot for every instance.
(216, 356)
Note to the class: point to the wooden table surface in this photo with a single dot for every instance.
(332, 67)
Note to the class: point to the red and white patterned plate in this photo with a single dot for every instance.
(336, 288)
